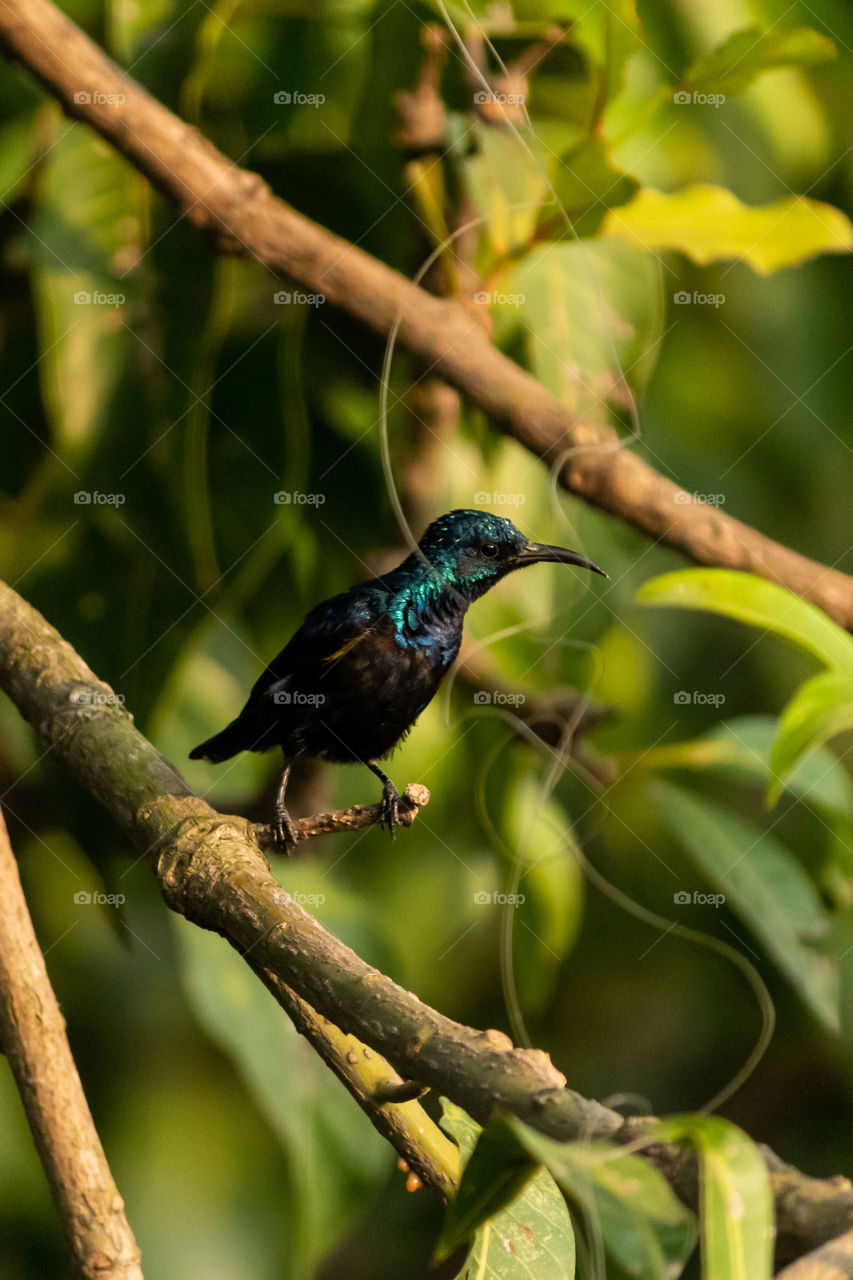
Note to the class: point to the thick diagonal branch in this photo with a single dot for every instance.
(442, 334)
(32, 1033)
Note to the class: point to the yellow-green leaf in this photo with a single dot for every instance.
(709, 224)
(646, 1232)
(736, 1204)
(515, 1236)
(821, 708)
(734, 64)
(757, 603)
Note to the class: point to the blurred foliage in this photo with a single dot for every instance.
(190, 464)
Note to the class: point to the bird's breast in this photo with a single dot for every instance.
(370, 692)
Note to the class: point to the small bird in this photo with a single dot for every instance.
(354, 678)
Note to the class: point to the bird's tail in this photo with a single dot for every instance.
(222, 746)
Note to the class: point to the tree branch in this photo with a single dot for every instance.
(832, 1261)
(445, 336)
(32, 1033)
(357, 816)
(373, 1082)
(211, 870)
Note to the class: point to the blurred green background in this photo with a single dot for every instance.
(182, 398)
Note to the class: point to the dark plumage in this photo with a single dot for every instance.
(359, 671)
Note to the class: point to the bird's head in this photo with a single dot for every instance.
(472, 550)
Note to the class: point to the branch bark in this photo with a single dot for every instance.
(211, 870)
(444, 335)
(832, 1261)
(32, 1033)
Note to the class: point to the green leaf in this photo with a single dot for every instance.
(532, 1236)
(736, 1203)
(135, 27)
(756, 602)
(497, 1170)
(87, 238)
(593, 314)
(646, 1230)
(330, 1145)
(709, 224)
(17, 154)
(733, 65)
(821, 708)
(587, 185)
(552, 885)
(507, 185)
(609, 34)
(740, 748)
(764, 884)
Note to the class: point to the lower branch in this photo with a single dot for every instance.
(211, 870)
(32, 1031)
(442, 334)
(370, 1079)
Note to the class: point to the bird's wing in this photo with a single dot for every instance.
(329, 631)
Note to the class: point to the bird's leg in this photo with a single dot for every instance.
(390, 798)
(285, 832)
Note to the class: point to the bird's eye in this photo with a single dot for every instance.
(489, 549)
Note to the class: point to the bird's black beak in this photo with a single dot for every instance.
(535, 552)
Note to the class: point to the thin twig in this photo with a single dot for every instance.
(358, 815)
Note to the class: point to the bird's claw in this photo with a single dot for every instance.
(284, 831)
(390, 808)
